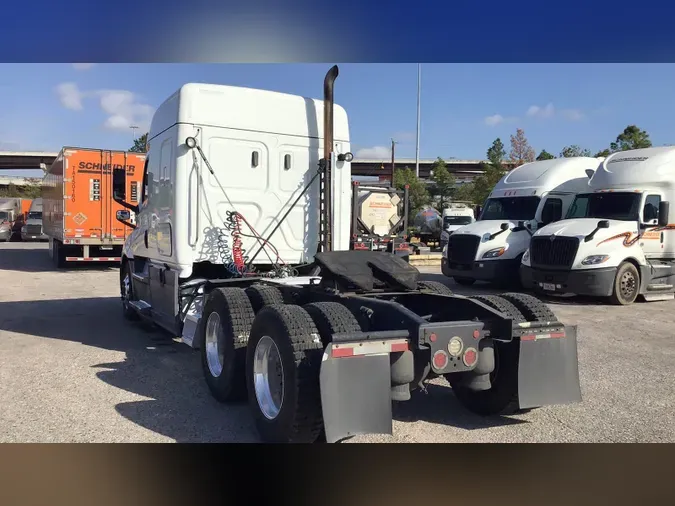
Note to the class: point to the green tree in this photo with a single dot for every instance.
(521, 151)
(604, 152)
(496, 153)
(632, 137)
(574, 150)
(545, 155)
(417, 190)
(24, 192)
(443, 182)
(140, 144)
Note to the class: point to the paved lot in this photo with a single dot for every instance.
(72, 370)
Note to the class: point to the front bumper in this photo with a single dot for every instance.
(592, 282)
(5, 235)
(483, 270)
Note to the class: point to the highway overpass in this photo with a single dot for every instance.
(464, 170)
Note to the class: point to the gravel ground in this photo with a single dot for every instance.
(72, 370)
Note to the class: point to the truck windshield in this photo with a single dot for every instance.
(622, 206)
(516, 208)
(4, 216)
(35, 216)
(456, 220)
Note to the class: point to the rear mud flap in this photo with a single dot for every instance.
(548, 371)
(356, 396)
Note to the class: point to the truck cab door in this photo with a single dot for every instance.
(652, 240)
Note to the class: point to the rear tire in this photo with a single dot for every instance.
(264, 295)
(222, 333)
(533, 309)
(434, 287)
(331, 318)
(464, 281)
(502, 397)
(293, 415)
(626, 285)
(58, 255)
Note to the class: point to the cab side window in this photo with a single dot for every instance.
(650, 212)
(552, 211)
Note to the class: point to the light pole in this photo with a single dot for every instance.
(417, 148)
(133, 129)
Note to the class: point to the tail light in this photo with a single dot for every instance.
(470, 357)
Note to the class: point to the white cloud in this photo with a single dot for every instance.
(70, 96)
(376, 152)
(83, 66)
(494, 120)
(548, 111)
(122, 108)
(572, 114)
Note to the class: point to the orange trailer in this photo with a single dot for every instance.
(78, 210)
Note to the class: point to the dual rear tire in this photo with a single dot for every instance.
(257, 348)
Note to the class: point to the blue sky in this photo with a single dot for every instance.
(464, 106)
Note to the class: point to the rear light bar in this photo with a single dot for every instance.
(363, 348)
(537, 337)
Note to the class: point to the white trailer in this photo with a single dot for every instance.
(617, 240)
(525, 199)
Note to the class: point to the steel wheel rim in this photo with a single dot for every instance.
(268, 377)
(628, 283)
(212, 342)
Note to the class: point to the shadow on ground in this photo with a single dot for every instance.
(179, 405)
(36, 259)
(439, 405)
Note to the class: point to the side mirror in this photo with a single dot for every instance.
(120, 184)
(123, 215)
(664, 213)
(603, 224)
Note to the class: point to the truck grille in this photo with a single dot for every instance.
(553, 251)
(462, 248)
(33, 229)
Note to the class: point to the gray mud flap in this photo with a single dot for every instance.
(548, 371)
(355, 395)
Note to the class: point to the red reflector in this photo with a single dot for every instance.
(470, 357)
(440, 360)
(476, 334)
(399, 347)
(528, 338)
(342, 352)
(558, 334)
(432, 338)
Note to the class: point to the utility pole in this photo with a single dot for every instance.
(393, 163)
(419, 92)
(133, 129)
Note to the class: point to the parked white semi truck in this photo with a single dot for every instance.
(617, 240)
(456, 216)
(525, 199)
(241, 248)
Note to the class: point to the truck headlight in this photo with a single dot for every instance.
(494, 253)
(526, 256)
(23, 229)
(594, 259)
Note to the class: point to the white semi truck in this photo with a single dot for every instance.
(455, 217)
(32, 229)
(241, 248)
(525, 199)
(618, 239)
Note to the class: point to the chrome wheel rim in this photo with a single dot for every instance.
(213, 340)
(126, 290)
(268, 377)
(628, 284)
